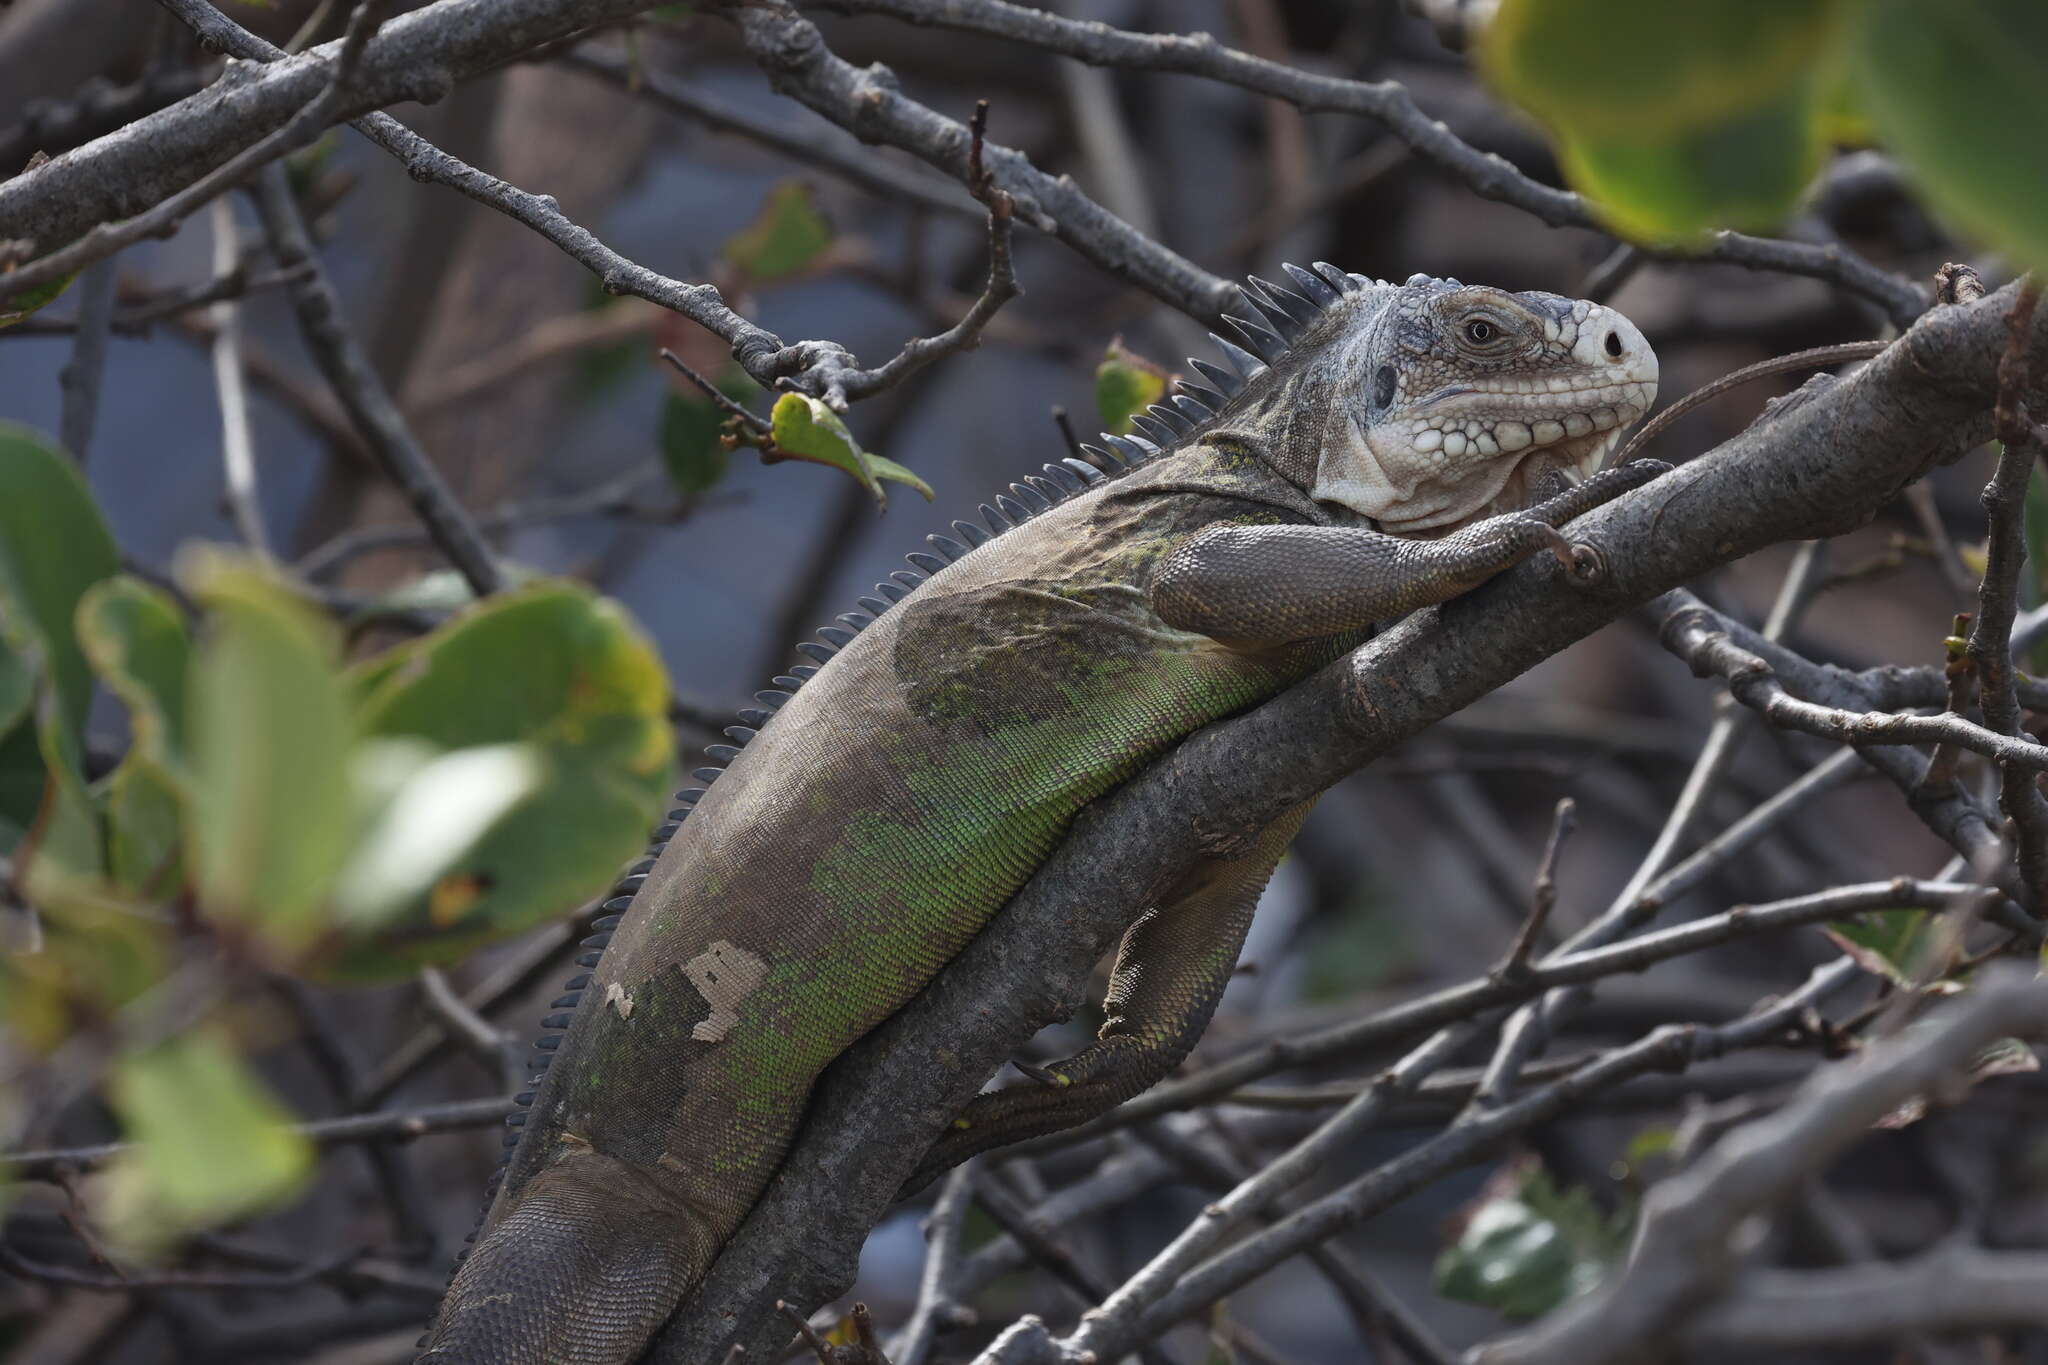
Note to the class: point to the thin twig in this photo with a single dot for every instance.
(341, 358)
(498, 1047)
(1990, 645)
(1812, 359)
(80, 378)
(964, 335)
(1687, 1241)
(878, 177)
(398, 1123)
(237, 438)
(1388, 103)
(1543, 896)
(935, 1302)
(716, 395)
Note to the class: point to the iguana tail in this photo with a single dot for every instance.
(582, 1270)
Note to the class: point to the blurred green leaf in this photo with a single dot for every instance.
(785, 236)
(135, 638)
(145, 829)
(1674, 119)
(271, 814)
(31, 301)
(53, 546)
(437, 590)
(211, 1143)
(65, 843)
(1654, 1141)
(803, 428)
(555, 667)
(602, 367)
(425, 813)
(1125, 384)
(1527, 1246)
(1959, 91)
(1745, 171)
(690, 449)
(1882, 942)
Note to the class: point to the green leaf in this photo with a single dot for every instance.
(65, 843)
(690, 449)
(803, 428)
(1745, 171)
(271, 811)
(786, 235)
(553, 667)
(33, 300)
(889, 471)
(1527, 1246)
(135, 638)
(1125, 384)
(425, 813)
(1883, 942)
(212, 1145)
(53, 546)
(1959, 91)
(1675, 119)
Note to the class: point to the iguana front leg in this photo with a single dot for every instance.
(1256, 586)
(1170, 972)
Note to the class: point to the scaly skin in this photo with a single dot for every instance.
(893, 804)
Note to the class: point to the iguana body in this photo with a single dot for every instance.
(893, 804)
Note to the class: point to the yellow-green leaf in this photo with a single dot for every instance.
(1884, 943)
(135, 638)
(566, 676)
(889, 471)
(211, 1144)
(1125, 384)
(271, 814)
(1959, 91)
(426, 812)
(785, 236)
(1675, 119)
(803, 428)
(32, 300)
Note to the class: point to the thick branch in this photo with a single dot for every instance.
(421, 55)
(1820, 465)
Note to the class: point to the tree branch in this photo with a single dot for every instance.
(1387, 103)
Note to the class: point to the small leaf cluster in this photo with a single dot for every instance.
(276, 809)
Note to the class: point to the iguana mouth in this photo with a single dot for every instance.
(1536, 438)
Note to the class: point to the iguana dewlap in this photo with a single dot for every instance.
(1369, 460)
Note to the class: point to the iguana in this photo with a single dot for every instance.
(1369, 454)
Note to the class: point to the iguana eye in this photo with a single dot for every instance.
(1479, 331)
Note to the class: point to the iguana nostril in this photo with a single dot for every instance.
(1614, 344)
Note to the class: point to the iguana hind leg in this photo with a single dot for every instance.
(1170, 971)
(582, 1271)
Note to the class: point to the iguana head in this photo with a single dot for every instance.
(1433, 403)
